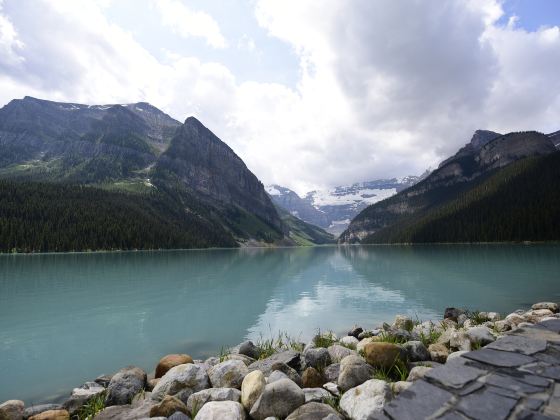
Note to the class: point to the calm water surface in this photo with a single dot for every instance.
(67, 318)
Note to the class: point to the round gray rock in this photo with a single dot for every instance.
(319, 358)
(416, 351)
(249, 349)
(228, 374)
(365, 401)
(314, 411)
(124, 385)
(182, 381)
(278, 399)
(198, 399)
(354, 371)
(338, 352)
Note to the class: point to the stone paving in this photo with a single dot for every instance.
(516, 377)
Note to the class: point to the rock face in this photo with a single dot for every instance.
(169, 361)
(198, 399)
(365, 401)
(278, 399)
(314, 411)
(383, 355)
(12, 410)
(168, 406)
(181, 381)
(221, 410)
(252, 388)
(354, 371)
(208, 166)
(124, 385)
(228, 374)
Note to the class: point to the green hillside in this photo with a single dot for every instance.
(303, 233)
(520, 202)
(54, 217)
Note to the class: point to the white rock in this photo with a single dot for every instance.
(365, 401)
(403, 322)
(185, 379)
(252, 388)
(362, 344)
(350, 341)
(332, 388)
(316, 394)
(279, 399)
(198, 399)
(480, 335)
(221, 410)
(400, 386)
(459, 340)
(417, 372)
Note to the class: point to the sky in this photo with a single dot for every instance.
(310, 94)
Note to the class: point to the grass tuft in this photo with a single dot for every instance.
(283, 341)
(324, 339)
(92, 407)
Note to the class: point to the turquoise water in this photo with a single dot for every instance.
(67, 318)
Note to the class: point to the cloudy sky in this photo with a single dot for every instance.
(310, 93)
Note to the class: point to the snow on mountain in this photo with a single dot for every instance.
(333, 209)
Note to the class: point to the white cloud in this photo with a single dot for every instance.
(190, 23)
(386, 88)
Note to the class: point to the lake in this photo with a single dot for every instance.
(67, 318)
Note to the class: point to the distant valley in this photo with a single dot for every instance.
(333, 209)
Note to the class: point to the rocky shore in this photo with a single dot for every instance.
(359, 376)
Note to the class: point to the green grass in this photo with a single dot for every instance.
(274, 344)
(386, 337)
(324, 339)
(430, 338)
(333, 401)
(397, 372)
(93, 406)
(224, 353)
(475, 317)
(348, 346)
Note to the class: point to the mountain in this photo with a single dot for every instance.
(333, 209)
(303, 233)
(144, 156)
(456, 178)
(555, 137)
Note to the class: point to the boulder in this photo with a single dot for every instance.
(151, 384)
(460, 341)
(314, 411)
(451, 313)
(416, 351)
(311, 378)
(493, 316)
(383, 355)
(316, 395)
(480, 335)
(81, 396)
(139, 410)
(417, 372)
(12, 410)
(228, 374)
(403, 322)
(332, 388)
(537, 315)
(502, 326)
(355, 331)
(198, 399)
(249, 349)
(331, 372)
(279, 399)
(276, 376)
(400, 386)
(38, 409)
(366, 400)
(456, 354)
(169, 361)
(124, 385)
(354, 371)
(252, 388)
(514, 319)
(338, 352)
(52, 415)
(288, 371)
(349, 341)
(461, 319)
(212, 361)
(181, 381)
(168, 406)
(438, 352)
(245, 359)
(289, 357)
(551, 306)
(318, 358)
(364, 342)
(103, 380)
(218, 410)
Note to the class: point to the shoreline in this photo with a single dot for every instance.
(335, 245)
(320, 374)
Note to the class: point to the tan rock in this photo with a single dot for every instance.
(460, 341)
(311, 378)
(52, 415)
(514, 319)
(169, 361)
(12, 410)
(252, 388)
(546, 305)
(360, 346)
(167, 407)
(417, 372)
(400, 386)
(383, 355)
(151, 384)
(403, 322)
(438, 352)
